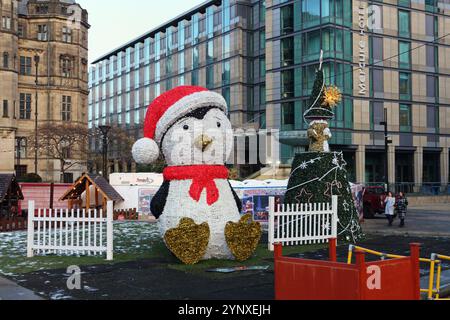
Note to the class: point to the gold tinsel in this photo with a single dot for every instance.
(189, 241)
(316, 137)
(332, 97)
(243, 237)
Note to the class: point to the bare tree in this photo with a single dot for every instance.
(65, 142)
(120, 144)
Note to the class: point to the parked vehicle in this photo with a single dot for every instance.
(373, 198)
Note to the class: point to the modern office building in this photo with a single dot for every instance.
(262, 55)
(46, 34)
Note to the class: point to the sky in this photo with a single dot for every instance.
(115, 22)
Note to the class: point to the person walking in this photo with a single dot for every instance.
(402, 208)
(390, 208)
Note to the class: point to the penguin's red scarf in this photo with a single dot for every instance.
(202, 177)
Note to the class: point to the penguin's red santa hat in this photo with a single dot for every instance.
(165, 111)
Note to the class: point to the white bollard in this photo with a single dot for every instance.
(109, 231)
(30, 232)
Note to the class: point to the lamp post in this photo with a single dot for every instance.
(387, 142)
(105, 130)
(19, 153)
(36, 62)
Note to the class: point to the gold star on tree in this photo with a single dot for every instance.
(302, 193)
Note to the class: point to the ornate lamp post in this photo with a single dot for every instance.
(36, 62)
(105, 130)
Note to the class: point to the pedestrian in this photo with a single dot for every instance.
(390, 208)
(402, 208)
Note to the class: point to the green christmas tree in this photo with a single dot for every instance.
(318, 176)
(315, 178)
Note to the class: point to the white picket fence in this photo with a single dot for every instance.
(300, 224)
(70, 232)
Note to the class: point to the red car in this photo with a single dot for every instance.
(373, 199)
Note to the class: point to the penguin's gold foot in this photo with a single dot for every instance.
(243, 237)
(189, 241)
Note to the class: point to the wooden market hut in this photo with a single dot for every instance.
(10, 195)
(89, 187)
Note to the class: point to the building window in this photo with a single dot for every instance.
(21, 31)
(210, 77)
(226, 73)
(287, 51)
(21, 171)
(262, 67)
(42, 9)
(433, 119)
(404, 25)
(66, 67)
(404, 49)
(431, 26)
(5, 60)
(405, 118)
(227, 96)
(432, 86)
(25, 106)
(5, 109)
(377, 81)
(210, 52)
(67, 35)
(287, 83)
(262, 40)
(66, 108)
(405, 86)
(432, 53)
(21, 147)
(310, 12)
(376, 49)
(262, 12)
(42, 32)
(377, 115)
(288, 116)
(25, 66)
(287, 19)
(6, 22)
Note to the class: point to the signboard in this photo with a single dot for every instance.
(145, 199)
(256, 202)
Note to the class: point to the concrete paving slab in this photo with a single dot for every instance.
(11, 291)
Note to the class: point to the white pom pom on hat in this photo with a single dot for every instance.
(165, 111)
(145, 151)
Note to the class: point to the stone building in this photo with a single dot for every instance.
(262, 56)
(53, 35)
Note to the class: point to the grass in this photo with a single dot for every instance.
(132, 242)
(262, 257)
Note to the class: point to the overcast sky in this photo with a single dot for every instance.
(115, 22)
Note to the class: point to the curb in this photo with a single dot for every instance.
(408, 233)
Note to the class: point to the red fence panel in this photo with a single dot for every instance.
(315, 280)
(301, 279)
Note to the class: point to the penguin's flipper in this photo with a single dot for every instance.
(159, 200)
(236, 198)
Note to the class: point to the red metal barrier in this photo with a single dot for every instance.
(301, 279)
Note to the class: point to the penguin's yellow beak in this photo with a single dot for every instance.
(203, 142)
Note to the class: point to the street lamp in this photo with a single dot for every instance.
(387, 142)
(36, 62)
(19, 153)
(105, 130)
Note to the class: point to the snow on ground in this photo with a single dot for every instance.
(130, 238)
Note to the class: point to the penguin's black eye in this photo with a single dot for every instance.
(186, 127)
(219, 125)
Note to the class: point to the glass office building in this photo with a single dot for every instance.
(262, 56)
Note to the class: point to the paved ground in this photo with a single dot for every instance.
(11, 291)
(153, 279)
(430, 220)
